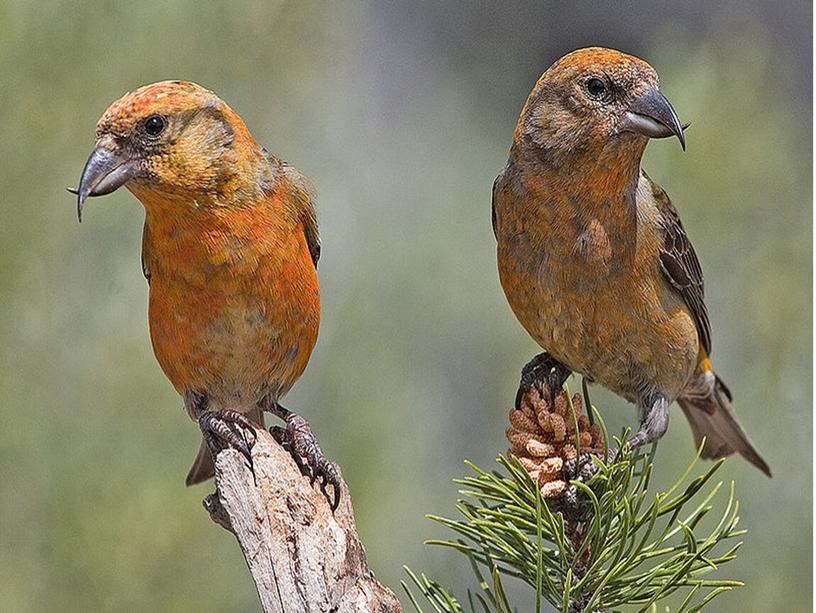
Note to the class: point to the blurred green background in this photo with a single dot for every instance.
(402, 114)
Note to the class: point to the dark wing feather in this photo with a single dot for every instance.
(312, 234)
(493, 204)
(145, 255)
(304, 193)
(680, 265)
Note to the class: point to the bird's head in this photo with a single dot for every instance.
(172, 142)
(596, 102)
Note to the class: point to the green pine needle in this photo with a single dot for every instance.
(637, 547)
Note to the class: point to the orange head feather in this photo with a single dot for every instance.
(176, 141)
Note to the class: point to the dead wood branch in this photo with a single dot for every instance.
(302, 556)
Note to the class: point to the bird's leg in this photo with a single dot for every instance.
(299, 440)
(654, 421)
(221, 429)
(545, 368)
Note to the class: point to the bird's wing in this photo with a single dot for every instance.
(145, 254)
(680, 265)
(312, 234)
(303, 193)
(493, 206)
(493, 203)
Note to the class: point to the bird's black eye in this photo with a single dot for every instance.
(596, 87)
(154, 125)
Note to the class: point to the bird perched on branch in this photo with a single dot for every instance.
(230, 250)
(592, 255)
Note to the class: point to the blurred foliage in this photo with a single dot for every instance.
(401, 113)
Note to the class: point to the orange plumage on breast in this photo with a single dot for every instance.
(234, 299)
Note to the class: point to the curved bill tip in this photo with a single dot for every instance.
(80, 204)
(75, 192)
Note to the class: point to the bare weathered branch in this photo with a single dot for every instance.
(302, 556)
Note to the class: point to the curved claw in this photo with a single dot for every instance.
(330, 476)
(227, 429)
(545, 368)
(519, 395)
(336, 501)
(299, 440)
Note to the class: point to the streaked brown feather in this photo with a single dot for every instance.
(680, 265)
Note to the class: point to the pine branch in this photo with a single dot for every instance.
(603, 543)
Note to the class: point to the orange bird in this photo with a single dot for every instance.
(592, 255)
(230, 250)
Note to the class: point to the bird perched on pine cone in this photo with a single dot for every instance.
(593, 257)
(230, 250)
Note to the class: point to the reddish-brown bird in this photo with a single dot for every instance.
(230, 251)
(593, 257)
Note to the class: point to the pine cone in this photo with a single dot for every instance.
(542, 436)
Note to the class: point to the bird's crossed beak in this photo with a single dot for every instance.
(106, 170)
(652, 115)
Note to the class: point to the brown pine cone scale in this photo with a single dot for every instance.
(542, 435)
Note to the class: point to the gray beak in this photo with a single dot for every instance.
(105, 171)
(652, 115)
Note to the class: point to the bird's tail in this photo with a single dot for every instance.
(711, 416)
(203, 467)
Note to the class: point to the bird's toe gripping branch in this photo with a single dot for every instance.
(545, 369)
(654, 422)
(228, 429)
(299, 440)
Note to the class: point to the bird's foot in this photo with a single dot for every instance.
(653, 424)
(632, 444)
(637, 440)
(299, 440)
(223, 429)
(543, 368)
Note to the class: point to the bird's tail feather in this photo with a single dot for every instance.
(203, 467)
(711, 416)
